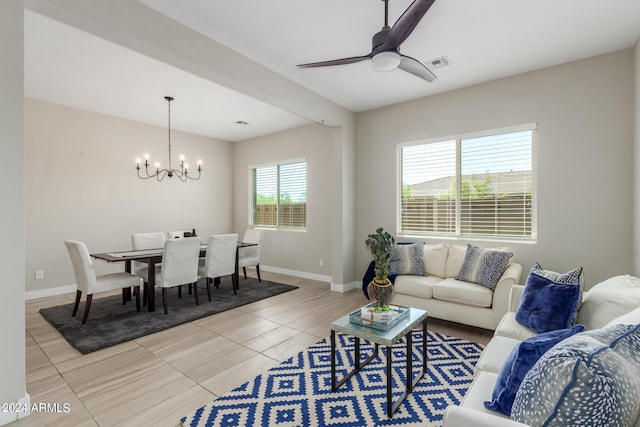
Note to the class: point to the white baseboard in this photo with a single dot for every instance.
(296, 273)
(42, 293)
(18, 409)
(346, 287)
(50, 292)
(336, 287)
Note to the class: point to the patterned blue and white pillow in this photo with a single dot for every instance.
(571, 277)
(483, 266)
(407, 259)
(592, 378)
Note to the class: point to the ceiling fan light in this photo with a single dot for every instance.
(385, 61)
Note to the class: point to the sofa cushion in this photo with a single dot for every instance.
(516, 365)
(435, 259)
(407, 259)
(479, 391)
(495, 353)
(509, 327)
(608, 300)
(463, 292)
(588, 379)
(418, 286)
(571, 277)
(630, 318)
(483, 266)
(546, 305)
(455, 259)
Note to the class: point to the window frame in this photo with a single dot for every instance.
(252, 199)
(457, 234)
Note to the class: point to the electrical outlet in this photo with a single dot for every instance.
(321, 262)
(39, 275)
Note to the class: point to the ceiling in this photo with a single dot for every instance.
(483, 40)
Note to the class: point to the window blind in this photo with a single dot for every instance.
(476, 186)
(278, 195)
(265, 195)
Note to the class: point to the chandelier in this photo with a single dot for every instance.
(182, 173)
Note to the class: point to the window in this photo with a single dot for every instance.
(278, 195)
(481, 185)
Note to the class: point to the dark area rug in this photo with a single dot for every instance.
(112, 323)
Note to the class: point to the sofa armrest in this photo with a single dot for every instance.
(457, 416)
(515, 297)
(502, 292)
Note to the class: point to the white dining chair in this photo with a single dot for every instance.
(142, 241)
(220, 260)
(179, 266)
(250, 255)
(175, 234)
(89, 283)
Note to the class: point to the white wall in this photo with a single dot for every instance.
(81, 184)
(168, 41)
(292, 250)
(585, 158)
(12, 313)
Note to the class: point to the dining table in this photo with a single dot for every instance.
(152, 257)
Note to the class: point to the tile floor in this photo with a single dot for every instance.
(157, 379)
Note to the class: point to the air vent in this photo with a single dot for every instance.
(440, 62)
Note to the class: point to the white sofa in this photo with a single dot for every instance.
(446, 298)
(614, 301)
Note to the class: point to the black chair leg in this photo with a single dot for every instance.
(234, 284)
(86, 309)
(75, 307)
(164, 300)
(208, 281)
(180, 291)
(195, 292)
(258, 271)
(137, 292)
(244, 270)
(189, 288)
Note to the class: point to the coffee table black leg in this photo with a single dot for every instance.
(333, 361)
(389, 384)
(424, 346)
(358, 364)
(409, 380)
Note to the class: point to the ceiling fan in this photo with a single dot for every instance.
(385, 52)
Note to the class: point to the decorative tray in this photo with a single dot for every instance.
(379, 320)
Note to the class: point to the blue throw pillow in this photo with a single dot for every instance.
(571, 277)
(518, 363)
(546, 305)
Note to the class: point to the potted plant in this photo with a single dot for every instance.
(380, 289)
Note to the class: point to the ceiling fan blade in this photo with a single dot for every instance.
(407, 22)
(342, 61)
(415, 67)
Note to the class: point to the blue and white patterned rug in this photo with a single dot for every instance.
(298, 391)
